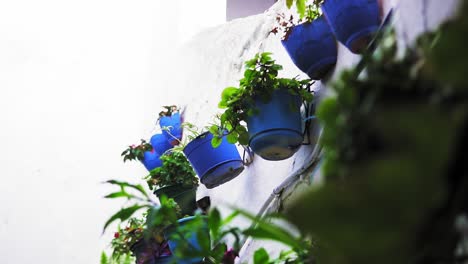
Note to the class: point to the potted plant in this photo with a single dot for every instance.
(170, 122)
(131, 240)
(150, 246)
(145, 153)
(175, 179)
(270, 106)
(214, 166)
(353, 22)
(309, 42)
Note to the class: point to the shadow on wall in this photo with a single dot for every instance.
(242, 8)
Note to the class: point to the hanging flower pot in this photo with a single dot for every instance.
(312, 47)
(187, 237)
(184, 196)
(269, 105)
(353, 22)
(160, 143)
(151, 160)
(214, 166)
(275, 132)
(172, 129)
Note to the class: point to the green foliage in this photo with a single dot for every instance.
(266, 229)
(304, 9)
(448, 56)
(127, 259)
(126, 237)
(176, 169)
(389, 135)
(149, 228)
(259, 82)
(212, 232)
(136, 152)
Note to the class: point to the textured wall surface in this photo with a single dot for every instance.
(242, 8)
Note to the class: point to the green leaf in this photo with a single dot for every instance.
(289, 3)
(243, 138)
(118, 195)
(104, 259)
(301, 7)
(137, 187)
(261, 256)
(214, 222)
(267, 230)
(216, 141)
(232, 137)
(123, 214)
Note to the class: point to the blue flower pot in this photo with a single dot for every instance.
(175, 130)
(275, 133)
(353, 22)
(214, 166)
(151, 160)
(312, 47)
(192, 240)
(160, 143)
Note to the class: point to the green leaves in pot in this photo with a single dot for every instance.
(259, 82)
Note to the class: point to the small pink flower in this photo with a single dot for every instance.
(116, 235)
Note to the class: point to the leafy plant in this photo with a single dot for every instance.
(266, 229)
(127, 259)
(381, 160)
(136, 152)
(147, 230)
(307, 14)
(259, 82)
(126, 237)
(213, 248)
(304, 9)
(176, 169)
(165, 212)
(170, 109)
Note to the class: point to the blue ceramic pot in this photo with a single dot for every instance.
(160, 143)
(353, 22)
(192, 239)
(151, 160)
(275, 133)
(175, 130)
(214, 166)
(312, 47)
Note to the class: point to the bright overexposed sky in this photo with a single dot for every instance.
(79, 81)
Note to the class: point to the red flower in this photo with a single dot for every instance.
(116, 235)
